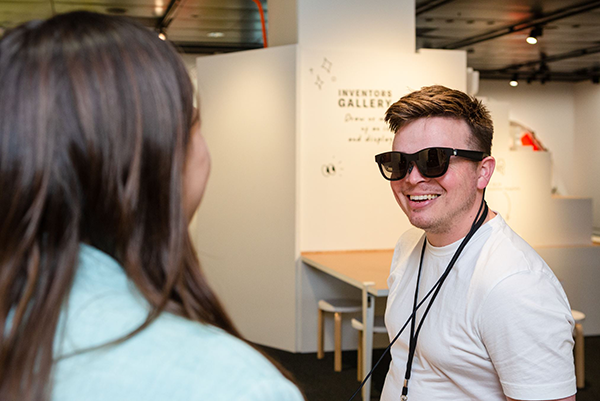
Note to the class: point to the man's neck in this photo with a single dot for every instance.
(447, 238)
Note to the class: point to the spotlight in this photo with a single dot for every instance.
(535, 33)
(162, 36)
(514, 81)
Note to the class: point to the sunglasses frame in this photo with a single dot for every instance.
(412, 159)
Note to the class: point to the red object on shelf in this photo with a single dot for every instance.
(529, 139)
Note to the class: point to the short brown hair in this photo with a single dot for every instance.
(439, 101)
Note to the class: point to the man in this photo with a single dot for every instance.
(499, 326)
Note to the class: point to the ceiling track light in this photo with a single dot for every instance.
(514, 80)
(535, 33)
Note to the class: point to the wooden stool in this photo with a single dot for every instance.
(337, 307)
(579, 348)
(378, 327)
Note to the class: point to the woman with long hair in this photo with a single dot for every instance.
(101, 167)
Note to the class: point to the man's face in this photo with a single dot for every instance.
(452, 196)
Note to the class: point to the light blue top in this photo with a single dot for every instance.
(173, 359)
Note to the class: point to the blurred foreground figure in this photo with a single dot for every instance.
(102, 165)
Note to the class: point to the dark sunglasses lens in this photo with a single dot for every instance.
(433, 162)
(392, 166)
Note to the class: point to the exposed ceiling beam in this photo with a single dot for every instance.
(169, 15)
(430, 5)
(525, 24)
(212, 48)
(547, 77)
(548, 59)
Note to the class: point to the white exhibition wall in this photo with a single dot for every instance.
(356, 25)
(566, 118)
(586, 149)
(345, 204)
(245, 230)
(343, 25)
(190, 64)
(521, 191)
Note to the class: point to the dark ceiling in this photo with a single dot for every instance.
(196, 26)
(493, 32)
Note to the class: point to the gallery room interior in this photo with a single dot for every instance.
(292, 96)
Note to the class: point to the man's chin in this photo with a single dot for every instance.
(421, 223)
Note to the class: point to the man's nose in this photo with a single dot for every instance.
(413, 175)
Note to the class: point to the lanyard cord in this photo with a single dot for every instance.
(435, 287)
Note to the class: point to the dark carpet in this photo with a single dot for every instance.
(319, 382)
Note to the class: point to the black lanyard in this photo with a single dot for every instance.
(478, 222)
(414, 335)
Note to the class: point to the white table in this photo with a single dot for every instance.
(366, 270)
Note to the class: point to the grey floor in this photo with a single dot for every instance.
(320, 383)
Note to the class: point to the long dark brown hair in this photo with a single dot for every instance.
(95, 116)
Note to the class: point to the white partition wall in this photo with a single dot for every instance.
(587, 144)
(565, 118)
(245, 230)
(521, 191)
(345, 203)
(357, 25)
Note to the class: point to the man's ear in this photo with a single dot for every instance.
(486, 169)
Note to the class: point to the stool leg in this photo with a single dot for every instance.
(579, 356)
(359, 368)
(320, 339)
(338, 343)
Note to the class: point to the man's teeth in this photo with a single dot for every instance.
(422, 197)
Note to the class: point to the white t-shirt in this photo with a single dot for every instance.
(500, 326)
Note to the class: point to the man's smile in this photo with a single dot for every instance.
(421, 198)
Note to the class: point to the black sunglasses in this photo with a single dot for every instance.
(431, 162)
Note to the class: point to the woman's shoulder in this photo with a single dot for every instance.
(172, 358)
(197, 346)
(214, 362)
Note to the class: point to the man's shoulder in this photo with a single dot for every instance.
(406, 244)
(505, 254)
(409, 239)
(509, 247)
